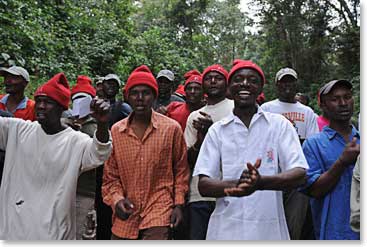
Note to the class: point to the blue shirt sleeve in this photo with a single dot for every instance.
(315, 169)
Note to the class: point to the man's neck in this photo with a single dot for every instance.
(245, 114)
(52, 129)
(141, 119)
(342, 127)
(215, 100)
(13, 101)
(140, 123)
(15, 98)
(288, 100)
(112, 100)
(194, 106)
(164, 98)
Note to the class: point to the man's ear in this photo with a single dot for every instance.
(261, 89)
(60, 109)
(322, 104)
(155, 95)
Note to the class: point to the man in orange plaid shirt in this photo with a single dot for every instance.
(146, 178)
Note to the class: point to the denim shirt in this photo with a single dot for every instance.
(330, 213)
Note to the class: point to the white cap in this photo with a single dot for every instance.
(15, 70)
(285, 71)
(112, 77)
(329, 86)
(166, 73)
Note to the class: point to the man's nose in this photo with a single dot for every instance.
(140, 96)
(245, 82)
(41, 105)
(8, 81)
(342, 101)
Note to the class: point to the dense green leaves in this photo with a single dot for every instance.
(320, 39)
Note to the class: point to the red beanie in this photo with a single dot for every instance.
(57, 88)
(180, 90)
(216, 68)
(141, 76)
(242, 64)
(83, 85)
(193, 76)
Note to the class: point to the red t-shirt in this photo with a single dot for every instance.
(179, 111)
(25, 110)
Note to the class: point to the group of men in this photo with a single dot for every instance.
(207, 162)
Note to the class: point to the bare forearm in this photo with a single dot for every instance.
(209, 187)
(192, 155)
(102, 132)
(327, 180)
(286, 180)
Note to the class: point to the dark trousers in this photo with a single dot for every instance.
(182, 231)
(103, 211)
(297, 214)
(153, 233)
(307, 229)
(199, 218)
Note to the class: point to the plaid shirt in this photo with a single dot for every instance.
(152, 173)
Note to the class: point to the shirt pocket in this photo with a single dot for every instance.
(224, 205)
(269, 161)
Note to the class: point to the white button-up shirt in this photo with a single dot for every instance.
(227, 147)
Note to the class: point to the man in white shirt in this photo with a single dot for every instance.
(303, 118)
(198, 122)
(42, 165)
(249, 202)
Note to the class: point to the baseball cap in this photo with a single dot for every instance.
(329, 86)
(99, 80)
(112, 77)
(15, 70)
(285, 71)
(166, 73)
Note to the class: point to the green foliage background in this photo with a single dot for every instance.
(320, 39)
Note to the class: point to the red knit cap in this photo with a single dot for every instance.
(180, 90)
(83, 85)
(193, 76)
(217, 68)
(57, 88)
(242, 64)
(141, 76)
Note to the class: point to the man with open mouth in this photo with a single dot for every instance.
(245, 162)
(43, 161)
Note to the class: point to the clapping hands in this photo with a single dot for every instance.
(248, 183)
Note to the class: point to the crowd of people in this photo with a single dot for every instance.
(209, 160)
